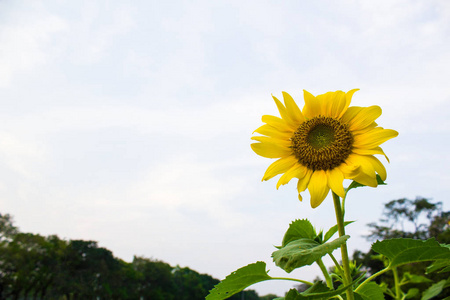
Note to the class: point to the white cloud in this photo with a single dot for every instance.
(22, 156)
(26, 40)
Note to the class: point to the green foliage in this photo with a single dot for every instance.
(371, 291)
(304, 252)
(38, 267)
(239, 280)
(412, 278)
(299, 229)
(402, 214)
(318, 291)
(333, 230)
(443, 265)
(435, 289)
(414, 233)
(405, 251)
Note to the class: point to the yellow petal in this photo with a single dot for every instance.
(271, 131)
(368, 128)
(279, 167)
(335, 179)
(365, 117)
(378, 166)
(283, 111)
(373, 138)
(318, 188)
(270, 150)
(373, 151)
(292, 109)
(349, 170)
(348, 99)
(350, 113)
(303, 183)
(366, 180)
(312, 106)
(271, 140)
(296, 171)
(366, 174)
(278, 123)
(337, 104)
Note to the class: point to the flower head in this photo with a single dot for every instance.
(323, 144)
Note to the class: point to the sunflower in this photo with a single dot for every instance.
(323, 144)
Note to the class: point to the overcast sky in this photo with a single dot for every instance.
(129, 122)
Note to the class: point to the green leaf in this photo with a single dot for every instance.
(441, 264)
(412, 293)
(434, 290)
(299, 229)
(333, 230)
(318, 291)
(292, 294)
(404, 251)
(355, 184)
(371, 291)
(304, 252)
(412, 278)
(239, 280)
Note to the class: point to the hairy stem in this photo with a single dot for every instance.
(398, 291)
(344, 252)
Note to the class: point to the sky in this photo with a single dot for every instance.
(129, 122)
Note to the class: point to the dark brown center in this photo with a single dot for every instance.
(322, 143)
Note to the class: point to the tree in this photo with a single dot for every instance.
(404, 218)
(155, 279)
(47, 267)
(407, 219)
(7, 229)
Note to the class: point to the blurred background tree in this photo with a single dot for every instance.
(37, 267)
(404, 218)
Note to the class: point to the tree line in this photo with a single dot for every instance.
(47, 267)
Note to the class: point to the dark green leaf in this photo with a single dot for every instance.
(304, 252)
(333, 230)
(292, 294)
(434, 290)
(239, 280)
(299, 229)
(403, 251)
(412, 293)
(371, 291)
(441, 264)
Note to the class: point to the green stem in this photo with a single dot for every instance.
(336, 263)
(345, 261)
(325, 273)
(293, 279)
(370, 278)
(398, 291)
